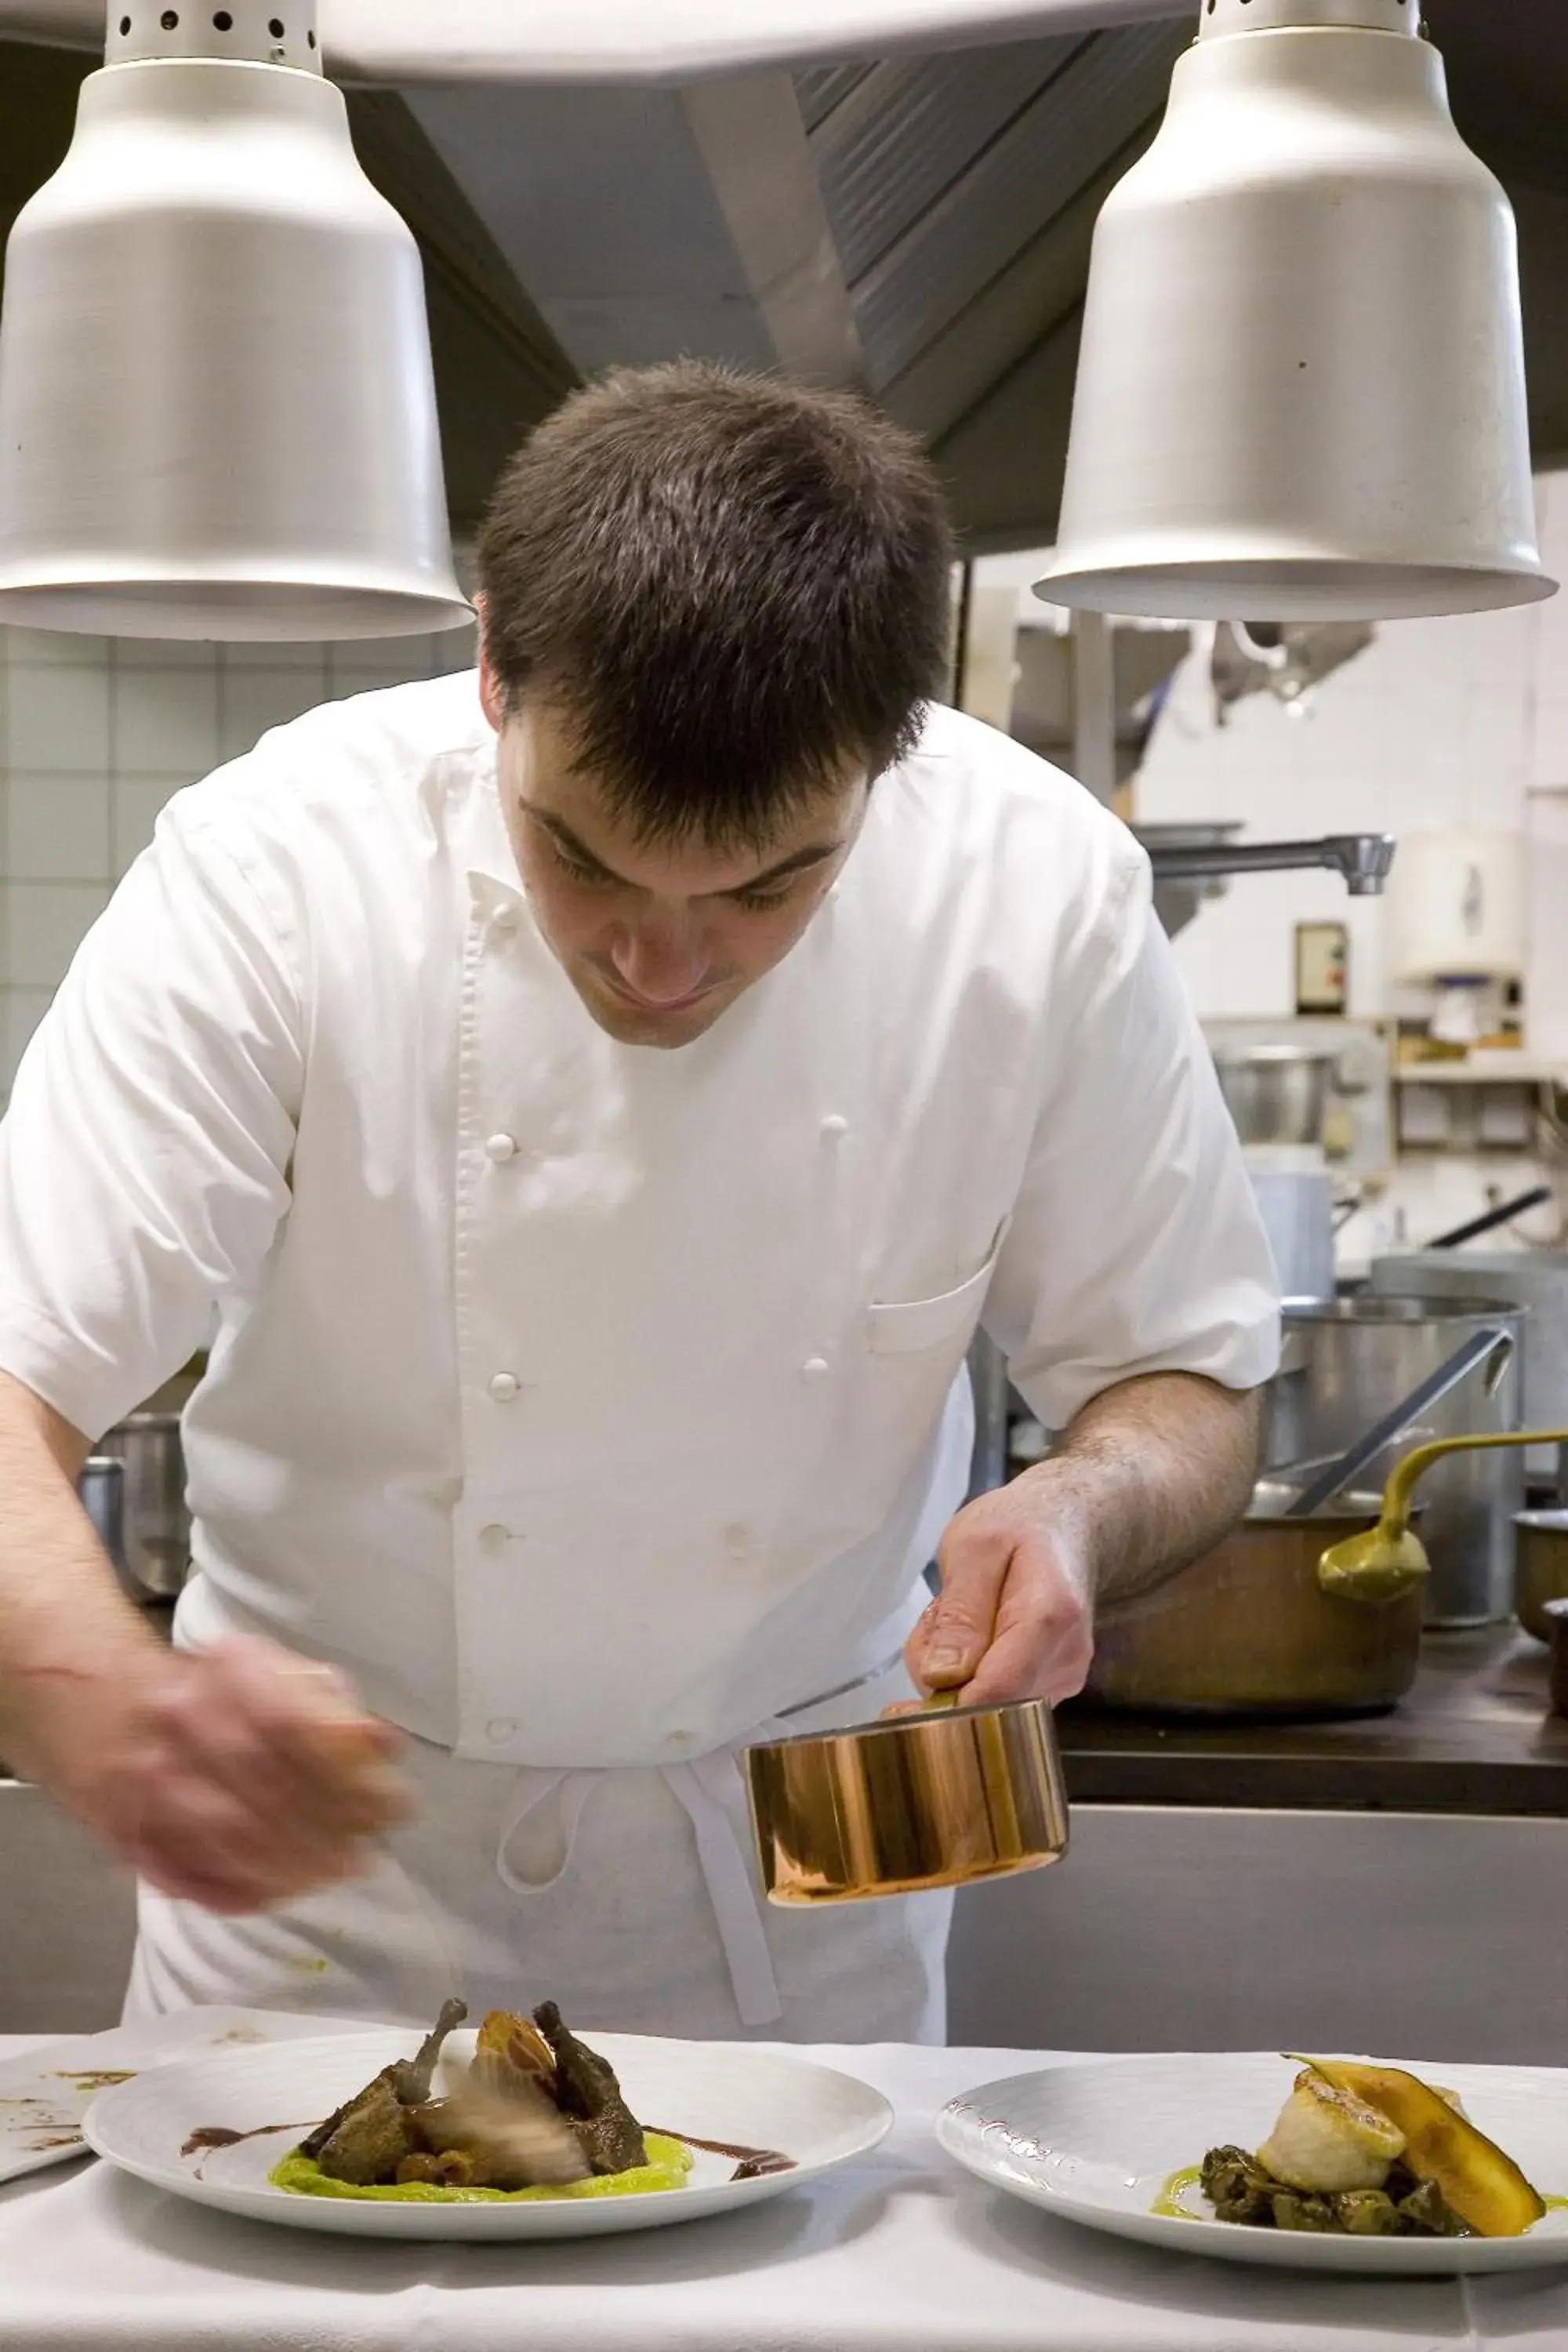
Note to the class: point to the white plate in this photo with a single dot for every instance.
(45, 2093)
(714, 2091)
(1098, 2143)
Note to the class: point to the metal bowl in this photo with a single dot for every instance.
(1276, 1094)
(915, 1801)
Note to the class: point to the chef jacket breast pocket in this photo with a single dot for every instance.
(913, 1350)
(910, 1327)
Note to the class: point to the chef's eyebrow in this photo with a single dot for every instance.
(817, 852)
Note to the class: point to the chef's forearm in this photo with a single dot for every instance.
(69, 1639)
(1151, 1474)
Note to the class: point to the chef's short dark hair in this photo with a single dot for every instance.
(731, 587)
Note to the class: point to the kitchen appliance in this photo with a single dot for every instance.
(154, 1556)
(1456, 924)
(218, 412)
(1531, 1279)
(1343, 1363)
(1249, 1629)
(944, 1797)
(1481, 1347)
(1225, 320)
(1540, 1567)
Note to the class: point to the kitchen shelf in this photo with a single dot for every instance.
(1495, 1069)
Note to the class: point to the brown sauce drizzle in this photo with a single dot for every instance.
(751, 2163)
(207, 2136)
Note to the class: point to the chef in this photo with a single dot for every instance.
(592, 1104)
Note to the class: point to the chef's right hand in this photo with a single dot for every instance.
(241, 1775)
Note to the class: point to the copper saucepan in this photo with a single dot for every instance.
(1250, 1629)
(943, 1798)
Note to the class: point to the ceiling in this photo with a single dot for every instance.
(919, 224)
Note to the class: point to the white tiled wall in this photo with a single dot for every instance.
(96, 733)
(1460, 722)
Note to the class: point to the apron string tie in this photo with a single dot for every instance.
(707, 1787)
(710, 1790)
(576, 1788)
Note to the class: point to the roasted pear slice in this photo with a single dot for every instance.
(511, 2050)
(1485, 2187)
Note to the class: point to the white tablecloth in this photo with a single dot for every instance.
(901, 2253)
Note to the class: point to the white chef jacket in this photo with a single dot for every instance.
(587, 1402)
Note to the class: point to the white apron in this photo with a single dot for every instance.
(627, 1895)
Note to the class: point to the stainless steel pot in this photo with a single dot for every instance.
(1345, 1362)
(1534, 1279)
(102, 1487)
(1276, 1094)
(1297, 1205)
(154, 1554)
(1249, 1629)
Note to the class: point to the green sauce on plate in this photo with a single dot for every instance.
(669, 2161)
(1169, 2205)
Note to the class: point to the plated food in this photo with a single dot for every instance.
(1370, 2151)
(521, 2129)
(1360, 2167)
(535, 2113)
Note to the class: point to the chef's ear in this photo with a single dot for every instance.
(491, 698)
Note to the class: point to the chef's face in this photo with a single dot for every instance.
(658, 939)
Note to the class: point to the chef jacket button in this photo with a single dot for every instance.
(494, 1537)
(501, 1731)
(503, 922)
(834, 1128)
(504, 1386)
(816, 1367)
(500, 1147)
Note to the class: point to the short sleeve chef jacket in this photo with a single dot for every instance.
(584, 1401)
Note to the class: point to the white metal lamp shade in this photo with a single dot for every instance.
(1301, 388)
(217, 413)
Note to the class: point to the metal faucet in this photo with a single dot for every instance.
(1363, 858)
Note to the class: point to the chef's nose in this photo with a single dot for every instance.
(661, 962)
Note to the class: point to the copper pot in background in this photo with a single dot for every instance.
(1540, 1567)
(1248, 1629)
